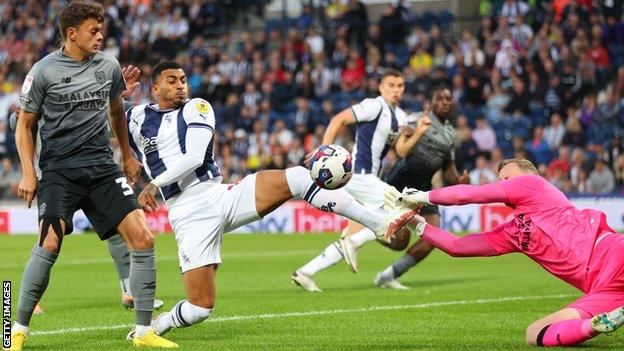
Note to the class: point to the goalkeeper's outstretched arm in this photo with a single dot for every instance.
(472, 245)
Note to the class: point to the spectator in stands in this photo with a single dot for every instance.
(574, 135)
(601, 180)
(554, 133)
(482, 174)
(616, 149)
(484, 135)
(538, 147)
(561, 163)
(514, 8)
(608, 110)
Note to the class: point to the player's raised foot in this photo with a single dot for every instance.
(128, 302)
(349, 252)
(17, 341)
(608, 322)
(304, 281)
(395, 221)
(389, 283)
(151, 339)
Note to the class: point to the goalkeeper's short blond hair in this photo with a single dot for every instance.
(522, 163)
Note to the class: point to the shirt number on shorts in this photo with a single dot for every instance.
(124, 186)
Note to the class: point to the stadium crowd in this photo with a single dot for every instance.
(543, 81)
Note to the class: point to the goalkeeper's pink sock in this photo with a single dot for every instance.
(566, 333)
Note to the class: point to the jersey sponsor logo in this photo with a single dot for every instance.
(151, 144)
(100, 77)
(524, 226)
(202, 107)
(85, 100)
(27, 84)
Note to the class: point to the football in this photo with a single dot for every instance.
(331, 167)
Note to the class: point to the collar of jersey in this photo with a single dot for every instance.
(62, 54)
(154, 106)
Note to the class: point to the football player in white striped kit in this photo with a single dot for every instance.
(174, 139)
(376, 128)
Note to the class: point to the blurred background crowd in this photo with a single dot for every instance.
(542, 79)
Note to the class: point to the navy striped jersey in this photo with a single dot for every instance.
(158, 137)
(376, 129)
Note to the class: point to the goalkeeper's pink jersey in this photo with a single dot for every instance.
(546, 226)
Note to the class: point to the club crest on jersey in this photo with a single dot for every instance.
(100, 77)
(202, 107)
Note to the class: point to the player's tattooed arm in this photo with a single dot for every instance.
(131, 166)
(147, 198)
(26, 149)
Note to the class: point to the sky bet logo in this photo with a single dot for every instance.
(6, 314)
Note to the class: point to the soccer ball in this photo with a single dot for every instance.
(331, 167)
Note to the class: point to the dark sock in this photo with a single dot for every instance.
(34, 283)
(143, 284)
(121, 256)
(402, 265)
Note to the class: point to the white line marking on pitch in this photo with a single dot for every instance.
(173, 258)
(320, 312)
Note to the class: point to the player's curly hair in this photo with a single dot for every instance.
(77, 12)
(522, 163)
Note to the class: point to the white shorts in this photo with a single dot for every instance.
(367, 189)
(200, 215)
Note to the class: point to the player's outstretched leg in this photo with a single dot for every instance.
(36, 277)
(200, 298)
(568, 328)
(121, 257)
(133, 229)
(275, 187)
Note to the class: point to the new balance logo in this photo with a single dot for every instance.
(66, 80)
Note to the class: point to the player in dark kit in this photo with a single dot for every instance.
(71, 90)
(428, 149)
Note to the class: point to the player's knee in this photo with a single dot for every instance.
(141, 239)
(531, 334)
(400, 242)
(51, 234)
(204, 301)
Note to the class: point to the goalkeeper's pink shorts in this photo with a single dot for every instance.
(605, 277)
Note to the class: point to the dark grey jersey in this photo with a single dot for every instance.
(433, 151)
(71, 99)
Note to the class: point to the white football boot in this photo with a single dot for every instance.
(349, 252)
(608, 322)
(304, 281)
(389, 283)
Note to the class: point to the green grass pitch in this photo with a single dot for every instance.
(454, 304)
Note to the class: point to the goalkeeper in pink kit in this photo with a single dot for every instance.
(577, 246)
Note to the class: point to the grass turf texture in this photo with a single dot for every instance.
(454, 304)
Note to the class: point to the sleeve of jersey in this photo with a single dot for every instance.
(33, 90)
(499, 238)
(197, 141)
(198, 113)
(473, 245)
(366, 111)
(469, 194)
